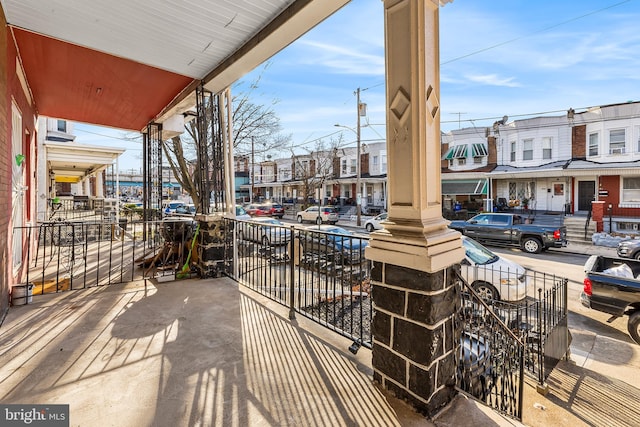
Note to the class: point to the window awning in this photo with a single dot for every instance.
(464, 187)
(479, 150)
(457, 152)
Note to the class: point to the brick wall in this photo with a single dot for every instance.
(444, 164)
(492, 151)
(5, 171)
(579, 142)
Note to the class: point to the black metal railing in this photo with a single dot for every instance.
(66, 255)
(586, 224)
(321, 275)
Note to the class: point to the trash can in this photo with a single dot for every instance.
(22, 294)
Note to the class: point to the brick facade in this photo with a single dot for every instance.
(5, 171)
(579, 142)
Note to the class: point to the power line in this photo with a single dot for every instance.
(542, 30)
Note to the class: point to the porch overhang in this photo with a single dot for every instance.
(70, 162)
(124, 64)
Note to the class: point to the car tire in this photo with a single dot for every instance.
(299, 219)
(318, 220)
(486, 291)
(369, 227)
(634, 326)
(636, 256)
(531, 245)
(265, 241)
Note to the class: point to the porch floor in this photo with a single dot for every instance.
(195, 352)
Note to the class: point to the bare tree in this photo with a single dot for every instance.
(250, 120)
(316, 167)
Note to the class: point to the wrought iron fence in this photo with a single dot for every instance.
(66, 255)
(318, 272)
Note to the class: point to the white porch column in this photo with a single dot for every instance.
(100, 185)
(416, 235)
(415, 291)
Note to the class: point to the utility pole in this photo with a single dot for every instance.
(252, 172)
(358, 190)
(459, 124)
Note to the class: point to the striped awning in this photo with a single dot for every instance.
(464, 187)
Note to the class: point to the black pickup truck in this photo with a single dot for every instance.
(511, 229)
(612, 285)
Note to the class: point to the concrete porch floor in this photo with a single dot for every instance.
(195, 353)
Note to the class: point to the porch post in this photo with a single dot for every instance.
(415, 256)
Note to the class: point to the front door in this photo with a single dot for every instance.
(558, 198)
(586, 194)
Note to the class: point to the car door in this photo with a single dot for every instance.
(498, 228)
(476, 226)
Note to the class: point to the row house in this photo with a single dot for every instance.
(329, 176)
(570, 163)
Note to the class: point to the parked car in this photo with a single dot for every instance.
(258, 209)
(185, 210)
(334, 243)
(511, 230)
(241, 214)
(629, 249)
(169, 208)
(318, 214)
(493, 277)
(612, 285)
(275, 209)
(268, 231)
(374, 223)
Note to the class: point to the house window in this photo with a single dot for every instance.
(479, 150)
(593, 144)
(513, 151)
(477, 160)
(462, 161)
(375, 163)
(616, 141)
(383, 161)
(62, 125)
(631, 189)
(352, 169)
(344, 167)
(512, 191)
(546, 148)
(527, 149)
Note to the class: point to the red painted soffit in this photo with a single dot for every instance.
(79, 84)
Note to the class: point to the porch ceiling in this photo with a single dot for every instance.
(123, 64)
(70, 160)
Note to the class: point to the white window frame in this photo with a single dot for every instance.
(343, 167)
(616, 145)
(527, 149)
(513, 151)
(547, 148)
(383, 161)
(630, 191)
(593, 141)
(352, 166)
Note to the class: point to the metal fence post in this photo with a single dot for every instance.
(292, 263)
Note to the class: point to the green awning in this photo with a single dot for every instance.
(464, 187)
(448, 155)
(479, 150)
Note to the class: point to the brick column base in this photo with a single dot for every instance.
(416, 337)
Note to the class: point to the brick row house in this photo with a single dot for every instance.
(558, 164)
(328, 176)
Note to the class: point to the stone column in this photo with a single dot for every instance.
(415, 256)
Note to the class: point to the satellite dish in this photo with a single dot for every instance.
(504, 119)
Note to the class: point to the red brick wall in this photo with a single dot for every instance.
(5, 171)
(444, 164)
(12, 91)
(492, 151)
(579, 142)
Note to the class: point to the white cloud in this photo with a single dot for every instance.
(493, 80)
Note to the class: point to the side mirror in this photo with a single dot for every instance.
(472, 221)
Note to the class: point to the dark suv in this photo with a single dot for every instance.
(275, 209)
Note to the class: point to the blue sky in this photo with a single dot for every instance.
(498, 57)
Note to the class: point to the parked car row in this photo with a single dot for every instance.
(265, 209)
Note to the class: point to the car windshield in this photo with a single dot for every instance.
(478, 253)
